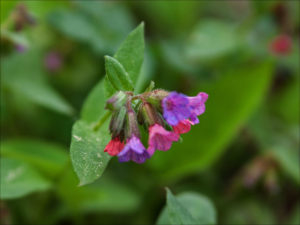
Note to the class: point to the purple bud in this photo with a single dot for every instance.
(20, 48)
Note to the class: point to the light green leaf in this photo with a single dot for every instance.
(47, 157)
(131, 52)
(19, 179)
(117, 75)
(87, 145)
(211, 39)
(187, 208)
(28, 79)
(232, 99)
(89, 160)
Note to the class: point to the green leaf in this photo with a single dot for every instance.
(28, 79)
(211, 39)
(89, 160)
(232, 100)
(46, 157)
(19, 179)
(131, 53)
(87, 144)
(187, 208)
(94, 20)
(117, 75)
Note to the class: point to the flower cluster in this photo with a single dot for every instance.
(164, 115)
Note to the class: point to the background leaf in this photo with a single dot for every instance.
(18, 179)
(28, 79)
(196, 207)
(45, 156)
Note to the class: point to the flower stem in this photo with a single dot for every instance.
(101, 121)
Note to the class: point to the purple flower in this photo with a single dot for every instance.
(175, 108)
(134, 150)
(160, 139)
(197, 106)
(20, 48)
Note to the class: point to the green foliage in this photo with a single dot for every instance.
(187, 208)
(211, 39)
(29, 80)
(88, 141)
(18, 179)
(117, 75)
(47, 157)
(225, 114)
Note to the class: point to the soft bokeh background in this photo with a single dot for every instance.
(244, 154)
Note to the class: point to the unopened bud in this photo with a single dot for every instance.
(155, 97)
(149, 115)
(131, 124)
(116, 125)
(116, 101)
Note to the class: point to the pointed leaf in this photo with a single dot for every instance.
(117, 75)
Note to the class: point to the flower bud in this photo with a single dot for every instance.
(117, 123)
(155, 97)
(116, 101)
(149, 115)
(131, 124)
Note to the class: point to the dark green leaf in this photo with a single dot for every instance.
(89, 160)
(47, 157)
(107, 195)
(117, 75)
(18, 179)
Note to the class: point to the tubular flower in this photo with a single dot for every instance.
(157, 112)
(197, 106)
(160, 139)
(114, 147)
(175, 108)
(134, 150)
(182, 127)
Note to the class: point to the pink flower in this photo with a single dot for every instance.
(114, 147)
(182, 127)
(197, 106)
(160, 139)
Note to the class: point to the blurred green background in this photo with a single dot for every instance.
(244, 154)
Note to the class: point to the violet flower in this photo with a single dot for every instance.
(134, 150)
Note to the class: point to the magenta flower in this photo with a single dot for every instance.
(182, 127)
(134, 150)
(160, 139)
(53, 61)
(175, 108)
(197, 106)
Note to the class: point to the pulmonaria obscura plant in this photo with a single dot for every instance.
(164, 115)
(119, 119)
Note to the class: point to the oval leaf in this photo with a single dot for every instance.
(87, 154)
(117, 75)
